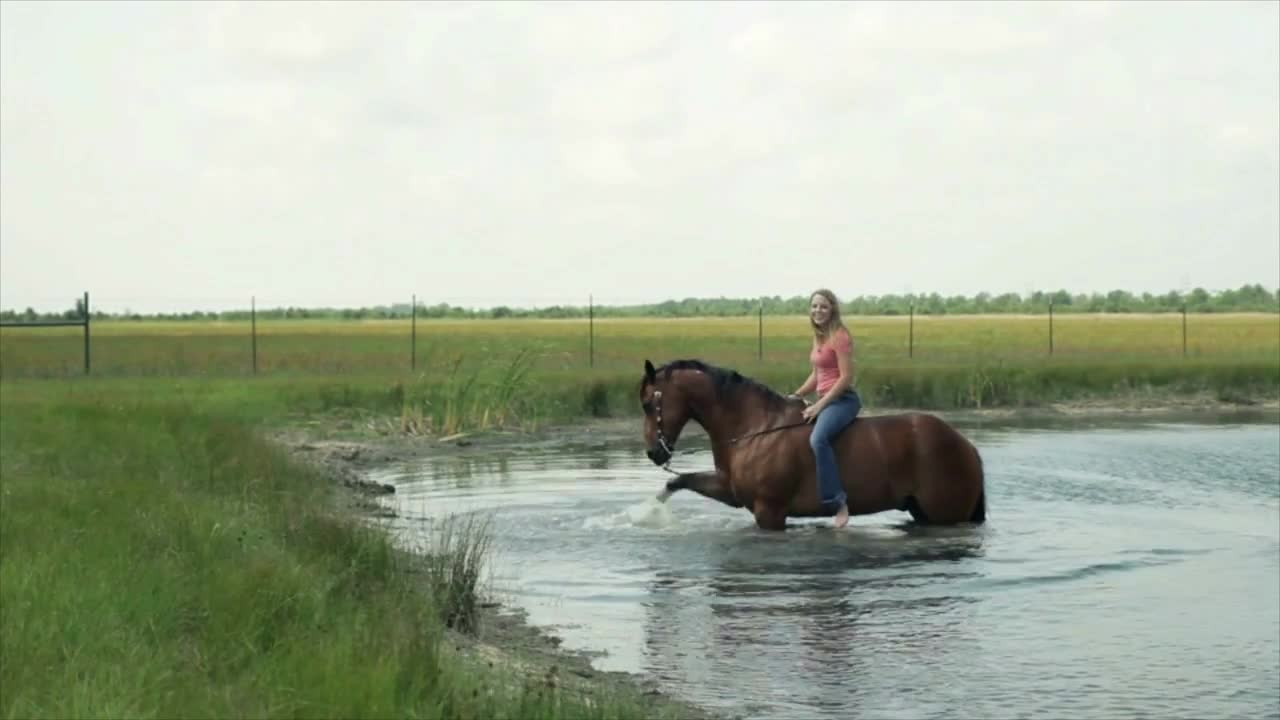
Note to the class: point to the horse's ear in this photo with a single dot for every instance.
(650, 373)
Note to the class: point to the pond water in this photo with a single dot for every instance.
(1126, 570)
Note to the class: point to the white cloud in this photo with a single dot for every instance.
(600, 161)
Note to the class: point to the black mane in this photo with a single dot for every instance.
(728, 383)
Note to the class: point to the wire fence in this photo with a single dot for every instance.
(290, 342)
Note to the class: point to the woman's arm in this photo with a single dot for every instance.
(808, 385)
(811, 383)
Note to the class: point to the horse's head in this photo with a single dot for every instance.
(666, 410)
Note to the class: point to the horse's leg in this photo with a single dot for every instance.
(917, 513)
(949, 486)
(770, 516)
(712, 484)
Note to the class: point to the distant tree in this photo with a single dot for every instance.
(960, 305)
(1118, 301)
(1247, 298)
(1007, 302)
(932, 304)
(1198, 299)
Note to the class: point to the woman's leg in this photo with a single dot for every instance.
(834, 418)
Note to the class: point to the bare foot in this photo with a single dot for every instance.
(842, 516)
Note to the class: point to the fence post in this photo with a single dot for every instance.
(591, 331)
(86, 332)
(911, 332)
(1184, 330)
(413, 334)
(253, 330)
(1050, 327)
(760, 334)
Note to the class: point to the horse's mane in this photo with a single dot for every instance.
(728, 383)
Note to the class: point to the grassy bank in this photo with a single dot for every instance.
(504, 390)
(161, 560)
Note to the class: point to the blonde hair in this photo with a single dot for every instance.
(835, 322)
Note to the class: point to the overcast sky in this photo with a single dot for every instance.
(190, 155)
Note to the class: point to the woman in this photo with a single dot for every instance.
(838, 403)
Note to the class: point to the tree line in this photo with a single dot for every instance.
(1247, 298)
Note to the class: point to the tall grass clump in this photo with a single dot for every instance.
(468, 396)
(595, 399)
(453, 563)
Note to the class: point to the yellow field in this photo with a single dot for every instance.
(177, 348)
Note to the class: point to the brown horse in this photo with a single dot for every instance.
(913, 462)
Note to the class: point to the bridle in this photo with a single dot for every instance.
(669, 448)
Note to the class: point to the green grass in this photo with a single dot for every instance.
(161, 560)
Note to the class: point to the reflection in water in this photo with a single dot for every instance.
(462, 470)
(498, 466)
(824, 609)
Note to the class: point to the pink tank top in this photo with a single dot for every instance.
(825, 362)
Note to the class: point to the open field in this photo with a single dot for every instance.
(347, 347)
(484, 373)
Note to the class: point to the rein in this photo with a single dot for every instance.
(671, 451)
(766, 431)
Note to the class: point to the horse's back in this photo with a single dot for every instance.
(913, 455)
(880, 449)
(902, 432)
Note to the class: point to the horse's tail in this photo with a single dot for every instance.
(979, 514)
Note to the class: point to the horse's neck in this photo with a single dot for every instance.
(708, 412)
(724, 421)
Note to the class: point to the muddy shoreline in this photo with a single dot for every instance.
(347, 449)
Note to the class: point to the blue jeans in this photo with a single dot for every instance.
(833, 418)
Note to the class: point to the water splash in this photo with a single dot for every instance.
(651, 513)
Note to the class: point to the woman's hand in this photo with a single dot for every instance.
(811, 412)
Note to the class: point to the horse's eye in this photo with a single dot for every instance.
(648, 407)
